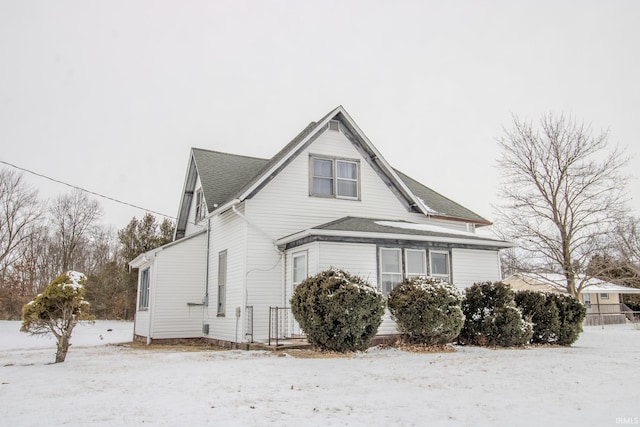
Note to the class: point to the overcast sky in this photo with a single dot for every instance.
(111, 95)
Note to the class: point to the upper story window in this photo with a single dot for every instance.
(331, 177)
(201, 210)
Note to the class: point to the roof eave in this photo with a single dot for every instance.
(499, 244)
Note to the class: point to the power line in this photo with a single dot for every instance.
(87, 191)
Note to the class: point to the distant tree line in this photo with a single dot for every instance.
(42, 239)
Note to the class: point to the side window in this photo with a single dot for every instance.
(222, 282)
(201, 210)
(143, 295)
(299, 268)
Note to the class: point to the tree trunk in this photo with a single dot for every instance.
(63, 346)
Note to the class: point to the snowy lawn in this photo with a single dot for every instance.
(594, 383)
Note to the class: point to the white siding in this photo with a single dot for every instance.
(142, 323)
(354, 258)
(228, 232)
(284, 206)
(472, 265)
(178, 278)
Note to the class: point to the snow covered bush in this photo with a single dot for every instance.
(337, 311)
(543, 314)
(492, 317)
(572, 313)
(426, 310)
(57, 311)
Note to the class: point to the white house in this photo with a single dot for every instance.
(250, 229)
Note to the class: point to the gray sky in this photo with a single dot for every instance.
(111, 95)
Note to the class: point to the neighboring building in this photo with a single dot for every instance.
(249, 230)
(602, 299)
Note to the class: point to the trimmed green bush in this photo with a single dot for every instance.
(572, 313)
(426, 310)
(492, 317)
(543, 312)
(338, 311)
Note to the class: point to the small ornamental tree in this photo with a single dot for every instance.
(57, 311)
(426, 310)
(543, 313)
(492, 317)
(337, 311)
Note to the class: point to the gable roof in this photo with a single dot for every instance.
(227, 177)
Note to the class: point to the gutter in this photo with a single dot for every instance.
(394, 236)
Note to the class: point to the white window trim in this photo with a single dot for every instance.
(144, 289)
(293, 264)
(409, 275)
(389, 273)
(442, 276)
(334, 178)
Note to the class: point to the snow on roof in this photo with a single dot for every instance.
(424, 227)
(558, 282)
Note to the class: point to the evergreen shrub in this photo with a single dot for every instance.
(492, 317)
(338, 311)
(426, 310)
(543, 312)
(572, 313)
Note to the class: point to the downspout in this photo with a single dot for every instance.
(151, 271)
(205, 302)
(275, 247)
(206, 274)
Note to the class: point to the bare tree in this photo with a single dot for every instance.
(19, 210)
(73, 216)
(563, 192)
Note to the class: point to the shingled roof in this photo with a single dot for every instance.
(226, 177)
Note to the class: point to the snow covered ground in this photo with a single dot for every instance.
(594, 383)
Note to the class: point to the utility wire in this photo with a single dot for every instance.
(87, 191)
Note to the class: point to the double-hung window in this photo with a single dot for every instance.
(439, 263)
(390, 268)
(416, 262)
(334, 177)
(143, 298)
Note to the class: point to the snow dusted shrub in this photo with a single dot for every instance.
(57, 311)
(543, 313)
(492, 317)
(337, 311)
(572, 313)
(426, 310)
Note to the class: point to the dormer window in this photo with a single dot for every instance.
(331, 177)
(201, 209)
